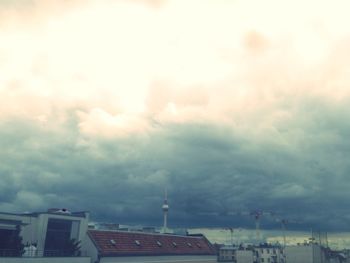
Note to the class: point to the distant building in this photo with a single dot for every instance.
(267, 253)
(104, 226)
(244, 256)
(306, 253)
(227, 254)
(149, 229)
(264, 253)
(120, 246)
(335, 256)
(46, 231)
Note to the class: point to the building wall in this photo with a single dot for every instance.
(41, 232)
(304, 254)
(270, 255)
(88, 246)
(160, 259)
(244, 256)
(83, 227)
(334, 260)
(227, 254)
(29, 232)
(299, 254)
(46, 260)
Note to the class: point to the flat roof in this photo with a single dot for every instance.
(36, 214)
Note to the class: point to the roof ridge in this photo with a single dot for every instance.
(144, 233)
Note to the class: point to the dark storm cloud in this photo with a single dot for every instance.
(298, 170)
(243, 114)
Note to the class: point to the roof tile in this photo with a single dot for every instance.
(137, 244)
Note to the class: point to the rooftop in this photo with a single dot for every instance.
(122, 243)
(55, 211)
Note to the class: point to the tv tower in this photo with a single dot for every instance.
(165, 209)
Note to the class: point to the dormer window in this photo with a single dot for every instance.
(159, 243)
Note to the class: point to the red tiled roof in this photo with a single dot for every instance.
(121, 243)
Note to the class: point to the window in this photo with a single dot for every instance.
(159, 243)
(58, 234)
(174, 244)
(6, 236)
(137, 242)
(199, 245)
(113, 242)
(189, 244)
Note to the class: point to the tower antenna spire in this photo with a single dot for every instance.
(165, 209)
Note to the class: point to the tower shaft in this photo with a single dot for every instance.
(165, 209)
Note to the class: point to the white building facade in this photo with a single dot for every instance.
(245, 256)
(252, 254)
(269, 254)
(227, 254)
(45, 229)
(309, 253)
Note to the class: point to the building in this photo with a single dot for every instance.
(267, 253)
(263, 253)
(227, 254)
(123, 246)
(305, 253)
(45, 232)
(245, 256)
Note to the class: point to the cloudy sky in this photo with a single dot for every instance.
(232, 105)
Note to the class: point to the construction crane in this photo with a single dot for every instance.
(231, 232)
(284, 222)
(257, 215)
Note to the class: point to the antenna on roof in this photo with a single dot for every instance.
(165, 209)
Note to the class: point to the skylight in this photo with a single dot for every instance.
(189, 244)
(113, 242)
(159, 243)
(137, 242)
(174, 244)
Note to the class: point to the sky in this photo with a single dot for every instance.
(231, 105)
